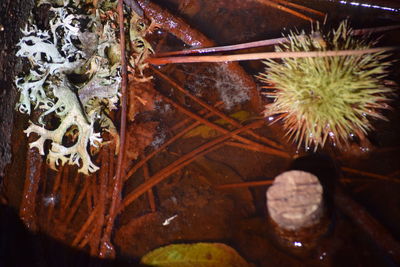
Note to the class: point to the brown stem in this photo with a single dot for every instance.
(244, 184)
(181, 162)
(64, 186)
(285, 9)
(71, 195)
(87, 238)
(32, 179)
(89, 194)
(369, 174)
(150, 193)
(101, 200)
(214, 110)
(375, 30)
(265, 55)
(262, 43)
(77, 203)
(304, 8)
(247, 147)
(84, 227)
(117, 187)
(224, 48)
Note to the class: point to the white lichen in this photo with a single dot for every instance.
(68, 48)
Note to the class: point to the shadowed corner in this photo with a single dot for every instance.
(324, 168)
(20, 248)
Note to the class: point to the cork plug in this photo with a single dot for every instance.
(295, 200)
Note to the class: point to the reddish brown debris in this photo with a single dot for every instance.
(366, 222)
(182, 162)
(194, 38)
(140, 135)
(33, 176)
(141, 98)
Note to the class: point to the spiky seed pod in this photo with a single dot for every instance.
(321, 98)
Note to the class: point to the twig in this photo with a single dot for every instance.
(117, 187)
(224, 48)
(375, 30)
(369, 174)
(265, 55)
(214, 110)
(64, 185)
(150, 193)
(32, 178)
(181, 162)
(77, 203)
(88, 237)
(89, 194)
(244, 184)
(84, 227)
(268, 182)
(285, 9)
(263, 43)
(101, 199)
(71, 195)
(243, 146)
(304, 8)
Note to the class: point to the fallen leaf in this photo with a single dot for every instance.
(194, 255)
(206, 132)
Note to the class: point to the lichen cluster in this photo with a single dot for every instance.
(327, 98)
(77, 44)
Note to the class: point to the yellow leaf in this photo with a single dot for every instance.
(207, 132)
(194, 255)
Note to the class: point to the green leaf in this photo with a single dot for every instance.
(194, 255)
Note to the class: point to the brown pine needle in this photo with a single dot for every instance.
(265, 55)
(268, 182)
(262, 43)
(183, 161)
(150, 194)
(285, 9)
(369, 174)
(214, 110)
(225, 47)
(244, 184)
(304, 8)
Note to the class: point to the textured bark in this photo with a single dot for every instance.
(13, 16)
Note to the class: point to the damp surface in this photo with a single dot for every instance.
(187, 207)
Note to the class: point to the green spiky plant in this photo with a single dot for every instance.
(321, 98)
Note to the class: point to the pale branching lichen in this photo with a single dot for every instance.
(69, 49)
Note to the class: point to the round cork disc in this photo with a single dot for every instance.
(295, 200)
